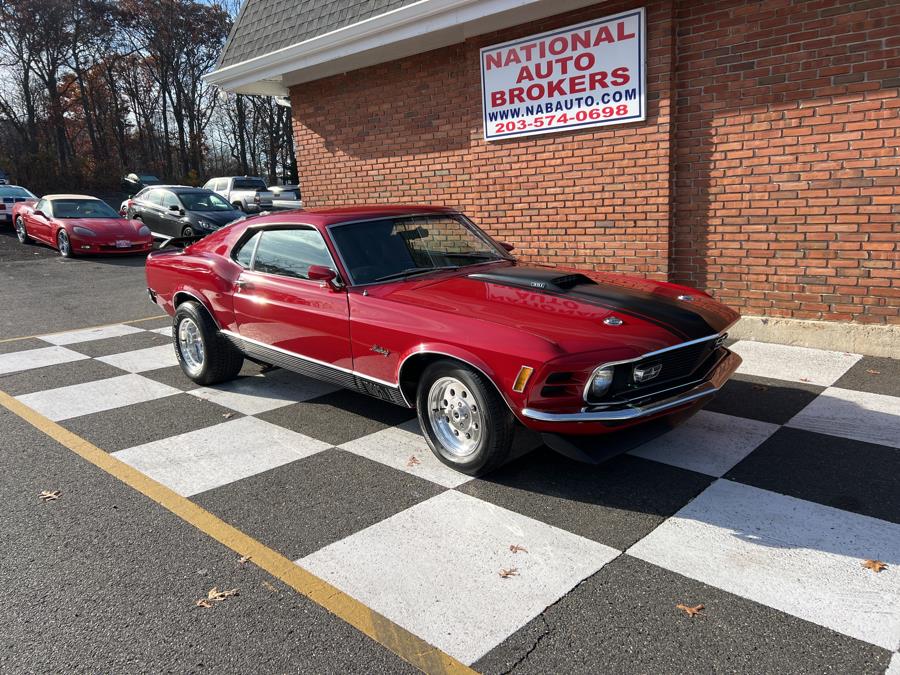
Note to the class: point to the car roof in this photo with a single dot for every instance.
(347, 214)
(65, 196)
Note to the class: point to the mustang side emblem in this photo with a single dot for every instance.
(613, 321)
(380, 350)
(647, 373)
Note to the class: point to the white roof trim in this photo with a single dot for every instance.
(415, 28)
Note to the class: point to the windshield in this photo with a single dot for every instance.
(390, 248)
(249, 184)
(204, 201)
(82, 208)
(15, 191)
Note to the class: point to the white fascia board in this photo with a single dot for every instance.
(416, 28)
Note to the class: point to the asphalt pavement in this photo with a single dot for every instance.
(758, 514)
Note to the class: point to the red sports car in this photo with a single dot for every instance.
(75, 224)
(416, 305)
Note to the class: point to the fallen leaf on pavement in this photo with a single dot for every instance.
(413, 460)
(203, 602)
(243, 559)
(47, 496)
(515, 548)
(217, 595)
(227, 416)
(270, 587)
(874, 565)
(507, 573)
(872, 371)
(690, 611)
(805, 379)
(760, 387)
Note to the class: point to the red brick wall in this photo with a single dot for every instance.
(411, 131)
(787, 154)
(774, 184)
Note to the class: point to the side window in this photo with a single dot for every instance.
(208, 185)
(222, 185)
(244, 255)
(155, 197)
(169, 199)
(291, 252)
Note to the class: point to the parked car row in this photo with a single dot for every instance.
(180, 211)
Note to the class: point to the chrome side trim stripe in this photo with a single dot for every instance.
(392, 385)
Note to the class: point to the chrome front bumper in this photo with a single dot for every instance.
(719, 375)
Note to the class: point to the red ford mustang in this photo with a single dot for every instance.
(418, 306)
(75, 224)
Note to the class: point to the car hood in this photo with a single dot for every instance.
(218, 218)
(106, 227)
(568, 308)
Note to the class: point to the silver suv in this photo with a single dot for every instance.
(247, 193)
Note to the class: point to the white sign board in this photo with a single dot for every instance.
(587, 75)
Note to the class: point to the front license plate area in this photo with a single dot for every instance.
(123, 244)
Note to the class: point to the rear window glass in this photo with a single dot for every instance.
(15, 191)
(249, 184)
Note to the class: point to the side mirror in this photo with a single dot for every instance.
(39, 213)
(326, 275)
(174, 207)
(507, 245)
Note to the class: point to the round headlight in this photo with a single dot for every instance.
(83, 231)
(144, 230)
(205, 224)
(600, 381)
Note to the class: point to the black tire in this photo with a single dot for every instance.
(221, 360)
(187, 232)
(22, 231)
(64, 244)
(495, 422)
(239, 206)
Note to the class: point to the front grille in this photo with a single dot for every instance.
(678, 365)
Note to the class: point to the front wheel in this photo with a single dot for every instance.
(465, 421)
(21, 232)
(63, 245)
(204, 354)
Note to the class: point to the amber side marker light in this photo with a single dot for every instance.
(522, 379)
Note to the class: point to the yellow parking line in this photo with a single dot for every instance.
(102, 325)
(404, 644)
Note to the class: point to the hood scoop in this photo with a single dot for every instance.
(534, 278)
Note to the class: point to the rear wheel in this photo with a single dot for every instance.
(63, 245)
(464, 419)
(204, 354)
(187, 232)
(21, 232)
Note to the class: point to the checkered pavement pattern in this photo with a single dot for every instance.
(762, 508)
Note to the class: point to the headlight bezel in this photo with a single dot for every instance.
(205, 224)
(591, 393)
(144, 231)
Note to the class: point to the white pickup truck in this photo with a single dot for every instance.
(247, 193)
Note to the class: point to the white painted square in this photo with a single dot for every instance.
(709, 442)
(15, 362)
(404, 448)
(141, 360)
(87, 334)
(92, 397)
(796, 556)
(795, 364)
(259, 393)
(435, 570)
(166, 330)
(894, 666)
(873, 418)
(208, 458)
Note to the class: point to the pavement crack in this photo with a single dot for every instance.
(544, 633)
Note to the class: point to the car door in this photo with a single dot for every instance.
(150, 210)
(169, 220)
(38, 226)
(276, 305)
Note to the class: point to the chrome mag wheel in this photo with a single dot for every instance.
(20, 230)
(455, 416)
(62, 243)
(190, 346)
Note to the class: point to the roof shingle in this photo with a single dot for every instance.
(265, 26)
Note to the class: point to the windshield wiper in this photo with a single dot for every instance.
(411, 271)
